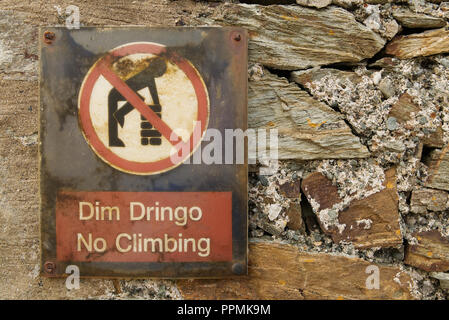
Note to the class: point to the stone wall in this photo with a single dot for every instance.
(358, 91)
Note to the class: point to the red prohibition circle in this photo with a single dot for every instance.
(91, 136)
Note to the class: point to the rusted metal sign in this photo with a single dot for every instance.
(127, 121)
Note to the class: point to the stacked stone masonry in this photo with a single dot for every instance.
(359, 93)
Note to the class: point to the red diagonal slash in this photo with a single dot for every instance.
(137, 103)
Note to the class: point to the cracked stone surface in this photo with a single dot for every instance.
(308, 129)
(355, 88)
(293, 37)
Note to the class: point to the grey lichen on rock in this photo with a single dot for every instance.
(377, 19)
(312, 76)
(405, 110)
(307, 128)
(355, 96)
(369, 222)
(392, 109)
(294, 37)
(420, 44)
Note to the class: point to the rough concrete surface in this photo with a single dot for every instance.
(358, 87)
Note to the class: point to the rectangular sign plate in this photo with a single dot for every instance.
(143, 164)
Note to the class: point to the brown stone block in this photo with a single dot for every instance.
(319, 188)
(434, 139)
(280, 271)
(374, 220)
(369, 222)
(420, 44)
(438, 163)
(430, 254)
(291, 189)
(294, 214)
(428, 199)
(405, 109)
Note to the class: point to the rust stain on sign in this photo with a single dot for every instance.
(117, 106)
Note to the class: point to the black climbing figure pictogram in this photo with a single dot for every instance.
(146, 78)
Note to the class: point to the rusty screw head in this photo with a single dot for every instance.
(49, 37)
(238, 268)
(237, 37)
(49, 267)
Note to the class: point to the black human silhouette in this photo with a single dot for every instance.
(116, 116)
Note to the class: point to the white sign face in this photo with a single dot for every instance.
(178, 110)
(118, 131)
